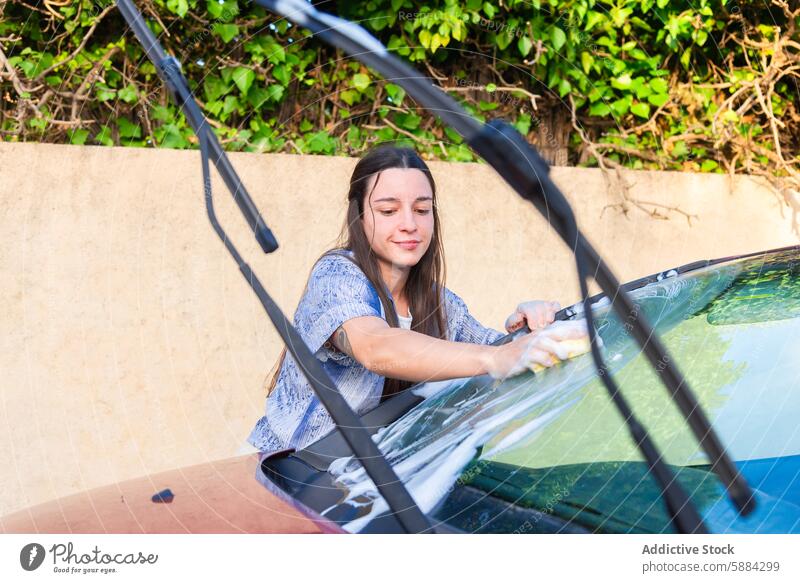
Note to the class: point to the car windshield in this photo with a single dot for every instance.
(549, 452)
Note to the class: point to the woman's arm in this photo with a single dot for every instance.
(407, 355)
(411, 356)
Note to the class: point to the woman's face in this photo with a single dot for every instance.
(398, 217)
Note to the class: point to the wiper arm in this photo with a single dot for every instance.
(522, 167)
(375, 464)
(168, 69)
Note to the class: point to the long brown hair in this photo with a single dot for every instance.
(426, 280)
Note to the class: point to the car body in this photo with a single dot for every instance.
(216, 497)
(536, 453)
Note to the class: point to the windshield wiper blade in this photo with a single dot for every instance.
(521, 166)
(380, 471)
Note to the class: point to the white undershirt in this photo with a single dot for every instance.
(405, 321)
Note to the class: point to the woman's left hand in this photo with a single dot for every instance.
(537, 314)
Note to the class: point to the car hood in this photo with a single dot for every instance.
(216, 497)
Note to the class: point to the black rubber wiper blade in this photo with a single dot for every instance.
(358, 439)
(521, 166)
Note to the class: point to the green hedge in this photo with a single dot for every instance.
(704, 85)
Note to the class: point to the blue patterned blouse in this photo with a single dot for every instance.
(337, 291)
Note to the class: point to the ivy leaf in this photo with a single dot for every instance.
(360, 81)
(104, 93)
(620, 15)
(37, 123)
(524, 44)
(215, 87)
(708, 166)
(658, 85)
(78, 137)
(225, 31)
(622, 82)
(658, 99)
(641, 109)
(599, 109)
(686, 57)
(179, 7)
(700, 37)
(454, 136)
(408, 121)
(564, 87)
(172, 138)
(436, 42)
(592, 18)
(354, 135)
(160, 113)
(243, 77)
(321, 143)
(558, 37)
(595, 94)
(621, 106)
(587, 61)
(42, 62)
(399, 45)
(229, 105)
(282, 74)
(641, 88)
(523, 124)
(128, 129)
(257, 96)
(276, 53)
(276, 92)
(223, 11)
(679, 149)
(425, 38)
(128, 94)
(395, 92)
(459, 31)
(348, 96)
(104, 136)
(641, 23)
(730, 116)
(503, 39)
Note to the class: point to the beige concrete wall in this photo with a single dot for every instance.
(130, 344)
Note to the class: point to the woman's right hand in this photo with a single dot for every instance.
(538, 347)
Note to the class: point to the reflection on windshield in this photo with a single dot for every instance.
(554, 441)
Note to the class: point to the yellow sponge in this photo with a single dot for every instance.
(569, 348)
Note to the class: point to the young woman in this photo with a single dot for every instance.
(376, 312)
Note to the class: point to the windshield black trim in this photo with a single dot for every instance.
(686, 268)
